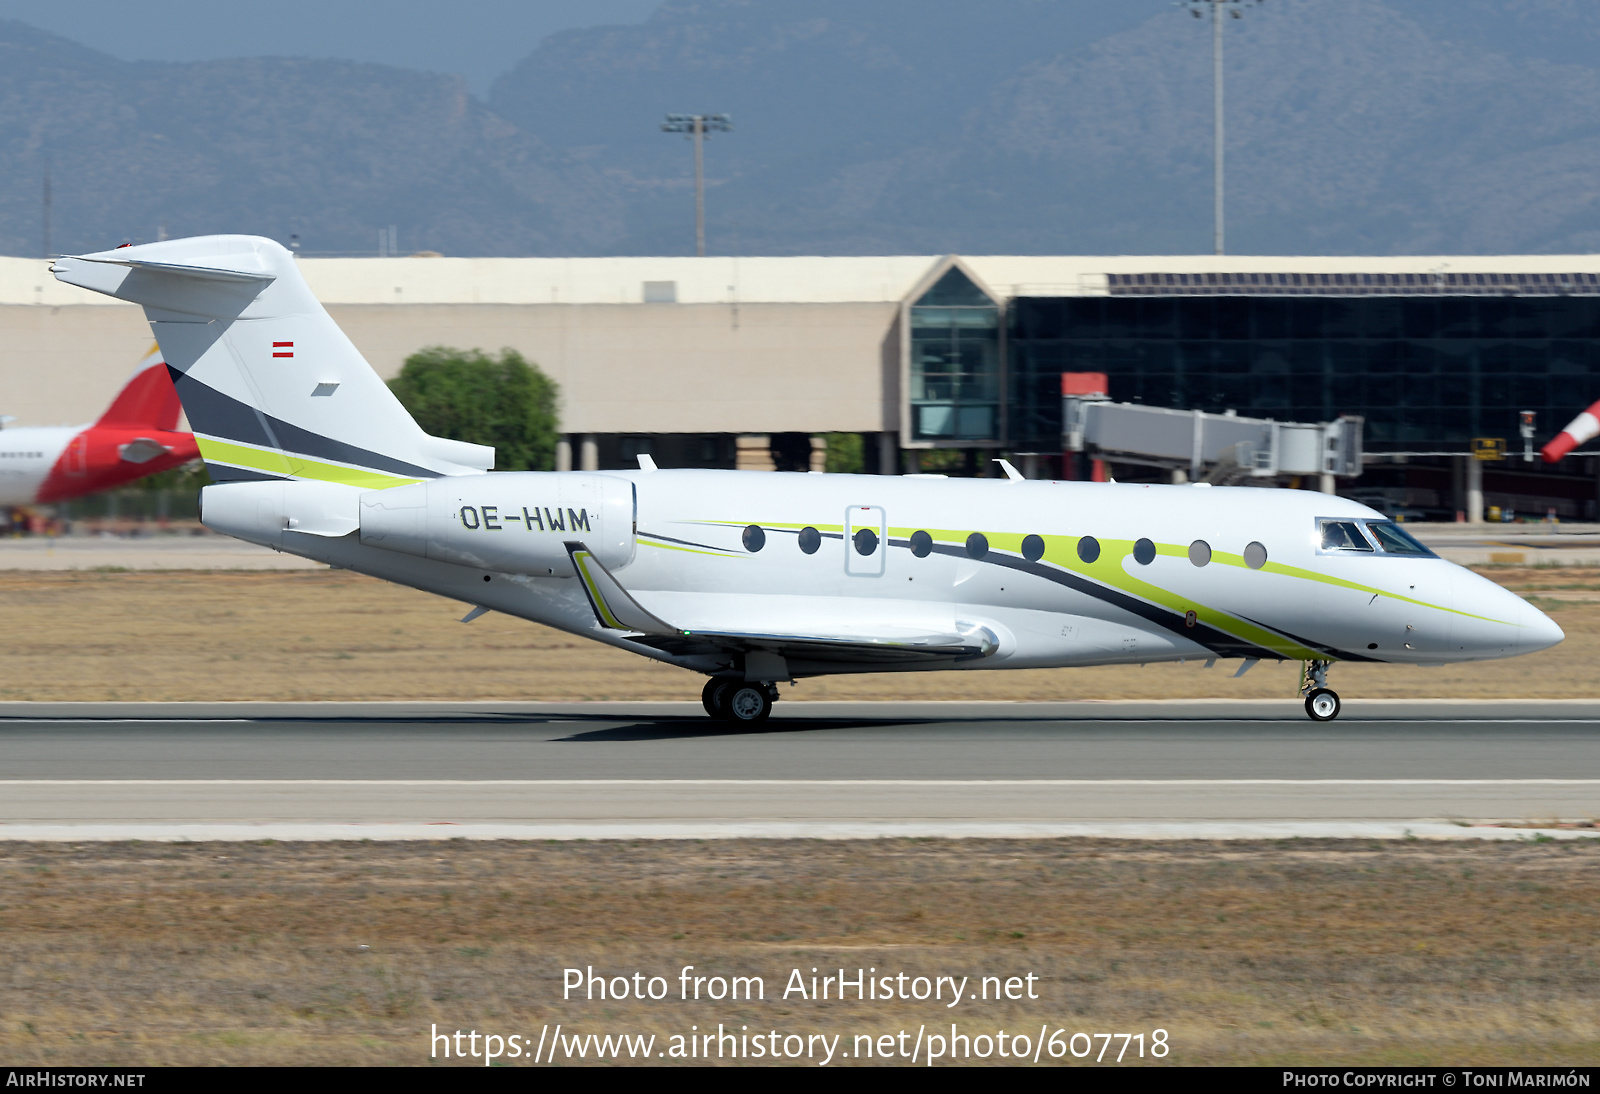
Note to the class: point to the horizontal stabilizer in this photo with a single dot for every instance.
(202, 273)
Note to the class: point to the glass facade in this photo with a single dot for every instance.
(1428, 373)
(955, 363)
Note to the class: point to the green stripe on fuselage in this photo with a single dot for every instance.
(1109, 569)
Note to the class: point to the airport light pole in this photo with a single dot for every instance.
(698, 127)
(1218, 7)
(46, 207)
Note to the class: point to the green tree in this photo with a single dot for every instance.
(845, 456)
(467, 395)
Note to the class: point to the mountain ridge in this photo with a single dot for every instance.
(1434, 126)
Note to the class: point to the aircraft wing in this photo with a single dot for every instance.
(617, 609)
(614, 606)
(834, 649)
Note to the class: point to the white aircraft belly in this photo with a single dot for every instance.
(1048, 639)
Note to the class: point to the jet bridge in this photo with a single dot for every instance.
(1216, 448)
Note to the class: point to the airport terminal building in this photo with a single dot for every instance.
(746, 362)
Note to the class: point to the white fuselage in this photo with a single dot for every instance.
(27, 456)
(1090, 593)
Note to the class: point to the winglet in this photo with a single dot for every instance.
(1011, 472)
(614, 607)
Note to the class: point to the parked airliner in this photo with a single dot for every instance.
(752, 579)
(135, 437)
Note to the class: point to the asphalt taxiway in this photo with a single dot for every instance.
(641, 770)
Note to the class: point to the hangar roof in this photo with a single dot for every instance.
(793, 280)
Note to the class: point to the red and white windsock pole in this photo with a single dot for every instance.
(1584, 427)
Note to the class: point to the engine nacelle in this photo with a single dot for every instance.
(511, 522)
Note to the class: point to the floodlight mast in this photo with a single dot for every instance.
(699, 127)
(1217, 7)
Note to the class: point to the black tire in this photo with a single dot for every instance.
(1323, 705)
(747, 704)
(714, 697)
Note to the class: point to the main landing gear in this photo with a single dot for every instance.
(1322, 704)
(743, 703)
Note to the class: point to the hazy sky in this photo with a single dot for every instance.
(476, 39)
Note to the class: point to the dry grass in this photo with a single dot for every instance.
(336, 635)
(1287, 952)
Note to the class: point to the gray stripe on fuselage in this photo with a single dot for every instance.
(1320, 647)
(1219, 642)
(225, 472)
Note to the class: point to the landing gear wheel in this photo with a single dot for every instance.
(747, 704)
(715, 696)
(1322, 705)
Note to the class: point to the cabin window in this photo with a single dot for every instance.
(866, 541)
(1032, 548)
(754, 538)
(1088, 548)
(1255, 556)
(1343, 535)
(1144, 552)
(921, 544)
(810, 540)
(977, 545)
(1200, 552)
(1395, 540)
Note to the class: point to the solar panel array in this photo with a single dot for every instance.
(1354, 284)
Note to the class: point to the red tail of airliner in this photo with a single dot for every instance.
(148, 402)
(135, 437)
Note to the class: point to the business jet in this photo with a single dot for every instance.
(755, 579)
(135, 437)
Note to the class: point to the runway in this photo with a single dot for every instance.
(654, 770)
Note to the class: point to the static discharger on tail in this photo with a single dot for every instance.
(754, 579)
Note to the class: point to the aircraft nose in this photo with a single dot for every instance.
(1496, 622)
(1536, 631)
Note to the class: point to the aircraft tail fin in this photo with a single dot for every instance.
(147, 401)
(272, 387)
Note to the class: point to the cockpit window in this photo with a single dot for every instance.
(1394, 539)
(1343, 535)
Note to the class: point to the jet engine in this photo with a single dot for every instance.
(511, 522)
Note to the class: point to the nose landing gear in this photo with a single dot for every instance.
(1322, 704)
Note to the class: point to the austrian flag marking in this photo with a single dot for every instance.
(283, 349)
